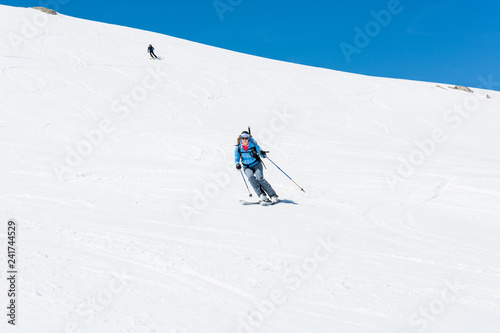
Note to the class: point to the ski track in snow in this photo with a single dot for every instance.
(119, 211)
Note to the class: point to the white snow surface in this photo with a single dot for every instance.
(119, 173)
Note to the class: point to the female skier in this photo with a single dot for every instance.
(249, 152)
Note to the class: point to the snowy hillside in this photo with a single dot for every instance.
(119, 173)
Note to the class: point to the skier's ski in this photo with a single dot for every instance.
(262, 203)
(244, 202)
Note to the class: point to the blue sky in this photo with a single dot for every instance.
(448, 41)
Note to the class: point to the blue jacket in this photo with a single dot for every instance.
(247, 157)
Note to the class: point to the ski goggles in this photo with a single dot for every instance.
(245, 137)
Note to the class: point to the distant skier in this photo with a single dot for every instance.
(151, 51)
(249, 152)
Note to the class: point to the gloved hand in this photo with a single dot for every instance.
(238, 166)
(263, 153)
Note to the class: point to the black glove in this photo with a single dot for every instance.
(238, 166)
(263, 153)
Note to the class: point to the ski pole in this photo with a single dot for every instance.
(249, 194)
(286, 174)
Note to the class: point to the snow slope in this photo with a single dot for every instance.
(119, 173)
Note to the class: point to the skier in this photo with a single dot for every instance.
(151, 51)
(249, 152)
